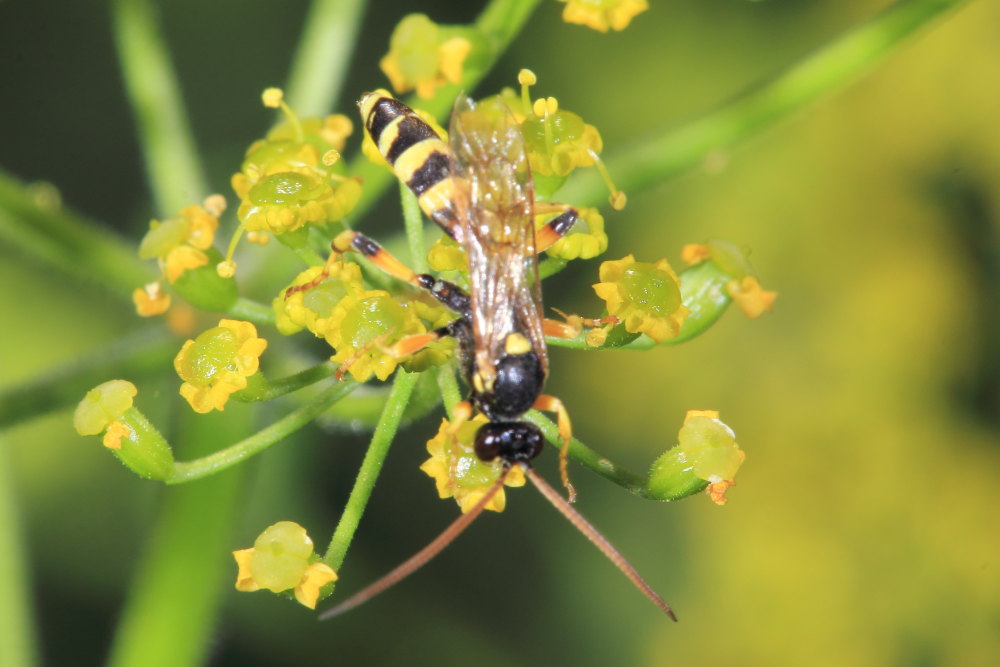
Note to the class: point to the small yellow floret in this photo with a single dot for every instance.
(603, 14)
(150, 300)
(315, 577)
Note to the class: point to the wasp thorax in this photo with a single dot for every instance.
(511, 441)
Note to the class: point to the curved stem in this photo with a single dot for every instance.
(175, 175)
(586, 456)
(188, 471)
(368, 474)
(703, 292)
(655, 159)
(260, 388)
(324, 54)
(251, 311)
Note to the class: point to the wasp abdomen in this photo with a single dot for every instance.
(418, 155)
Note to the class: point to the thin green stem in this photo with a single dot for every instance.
(187, 471)
(136, 354)
(261, 389)
(587, 457)
(378, 448)
(324, 54)
(658, 158)
(251, 311)
(499, 22)
(451, 395)
(174, 170)
(413, 220)
(17, 636)
(169, 617)
(33, 221)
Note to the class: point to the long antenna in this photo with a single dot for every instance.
(599, 540)
(421, 557)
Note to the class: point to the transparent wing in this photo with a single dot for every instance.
(500, 239)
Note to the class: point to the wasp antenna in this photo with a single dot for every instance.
(421, 557)
(599, 540)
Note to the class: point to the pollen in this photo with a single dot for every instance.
(272, 97)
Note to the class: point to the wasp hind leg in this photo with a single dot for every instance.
(552, 404)
(557, 227)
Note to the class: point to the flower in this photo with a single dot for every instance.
(424, 56)
(101, 410)
(150, 299)
(282, 559)
(292, 177)
(360, 327)
(603, 14)
(179, 243)
(218, 363)
(309, 301)
(458, 472)
(744, 288)
(706, 453)
(645, 296)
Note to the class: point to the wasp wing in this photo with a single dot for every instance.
(499, 241)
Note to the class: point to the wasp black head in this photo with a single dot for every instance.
(511, 441)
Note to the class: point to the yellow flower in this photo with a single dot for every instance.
(752, 299)
(150, 299)
(424, 56)
(706, 452)
(360, 327)
(102, 408)
(282, 559)
(309, 301)
(180, 244)
(603, 14)
(645, 296)
(218, 363)
(744, 288)
(457, 471)
(585, 240)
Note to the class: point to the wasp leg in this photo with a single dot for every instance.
(557, 227)
(552, 404)
(315, 282)
(447, 293)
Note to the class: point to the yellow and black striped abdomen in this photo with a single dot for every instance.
(420, 158)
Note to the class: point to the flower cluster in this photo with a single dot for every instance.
(603, 14)
(424, 56)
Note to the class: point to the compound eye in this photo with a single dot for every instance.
(488, 443)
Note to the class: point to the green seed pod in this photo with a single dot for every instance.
(142, 449)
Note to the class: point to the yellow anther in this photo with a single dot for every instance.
(331, 157)
(618, 200)
(526, 77)
(551, 105)
(538, 108)
(226, 269)
(215, 204)
(272, 97)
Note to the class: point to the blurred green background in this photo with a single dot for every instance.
(863, 529)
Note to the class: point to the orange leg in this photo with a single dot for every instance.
(553, 404)
(555, 228)
(378, 255)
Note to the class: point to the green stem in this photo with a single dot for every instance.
(413, 220)
(187, 471)
(169, 617)
(17, 636)
(174, 171)
(378, 448)
(324, 54)
(451, 395)
(703, 292)
(33, 222)
(260, 388)
(586, 456)
(832, 66)
(251, 311)
(136, 354)
(499, 22)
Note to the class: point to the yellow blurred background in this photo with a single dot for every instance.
(863, 529)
